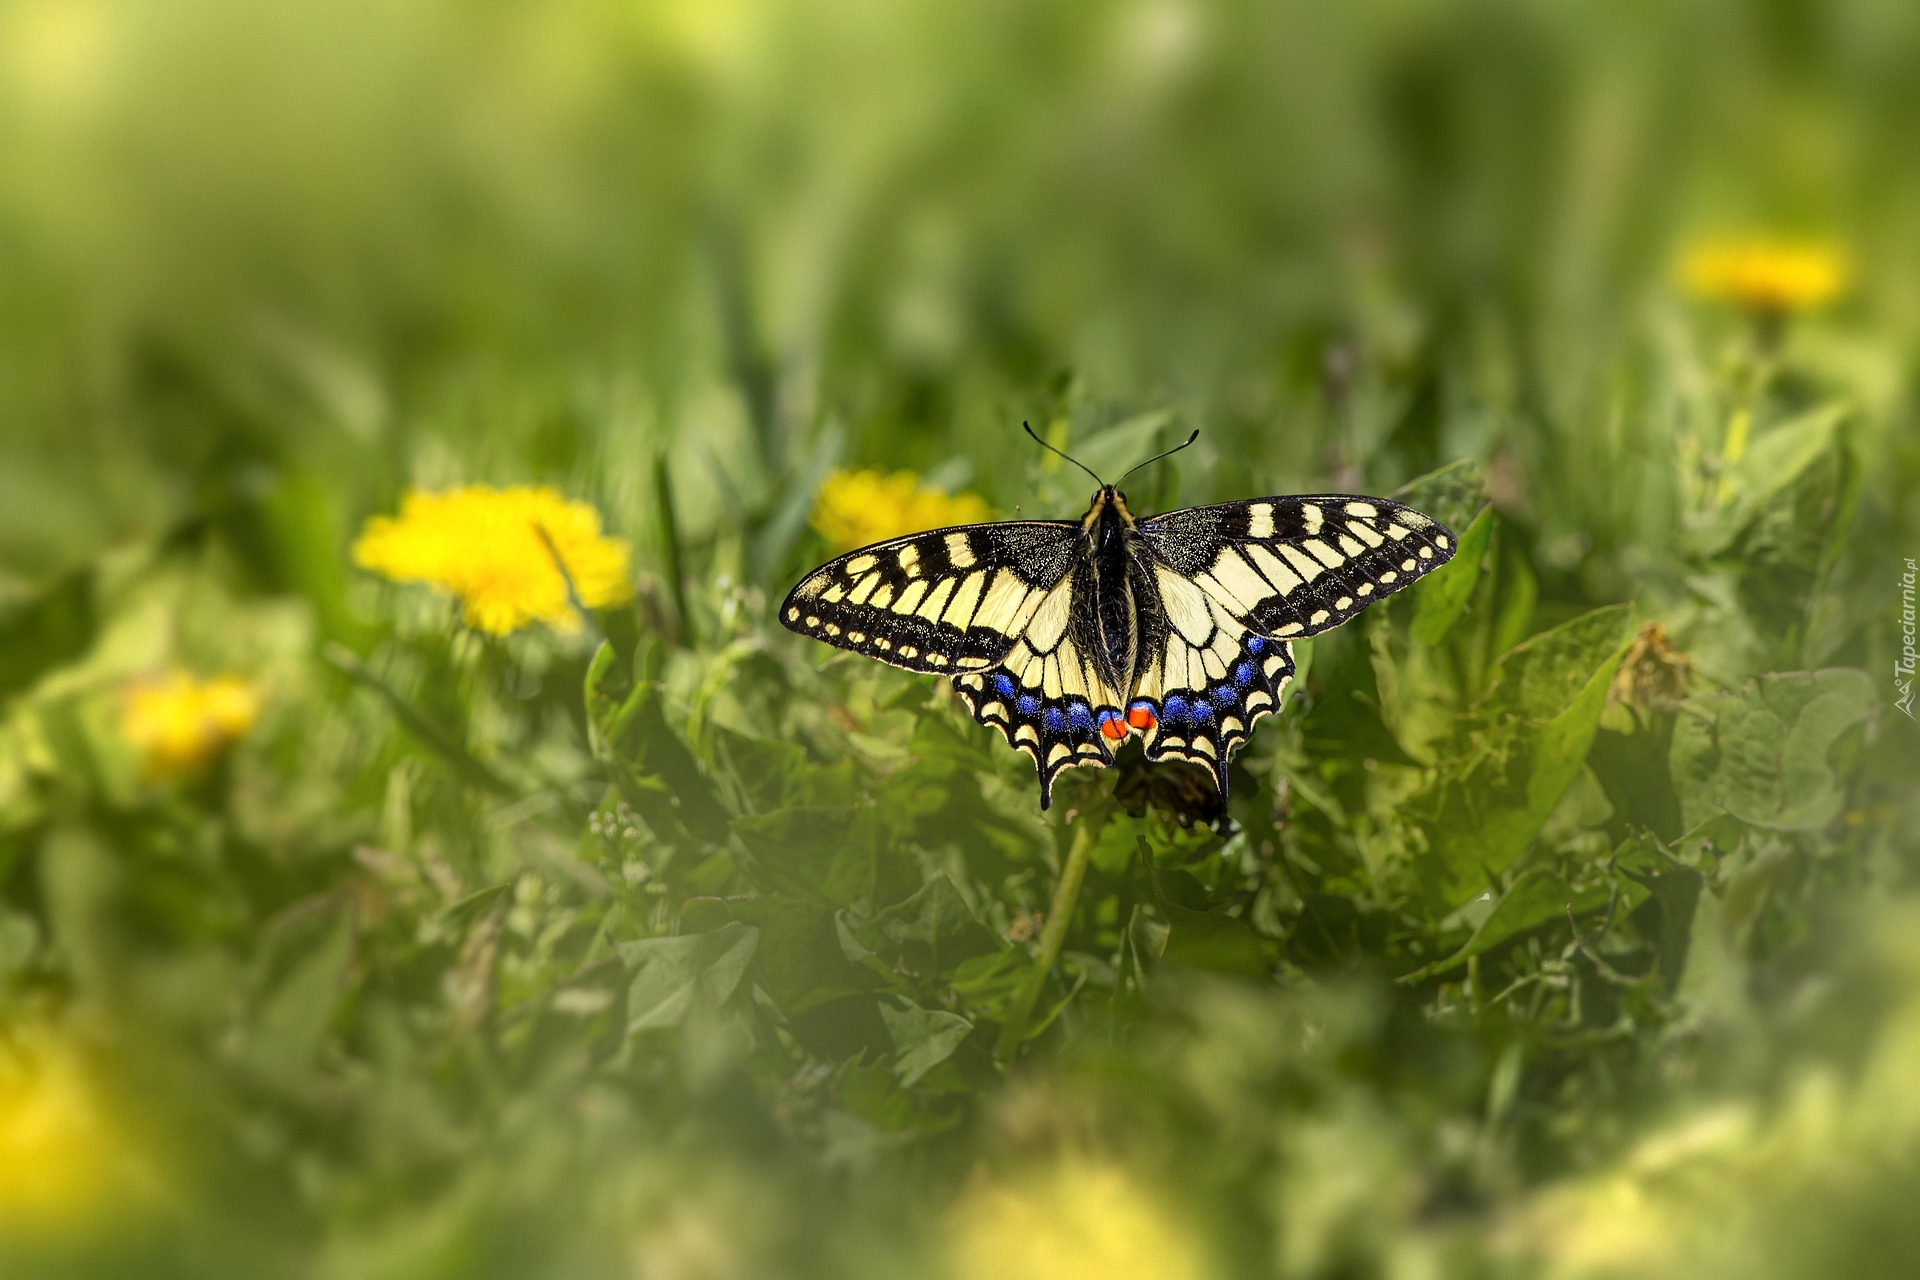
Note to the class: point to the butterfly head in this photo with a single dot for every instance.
(1107, 515)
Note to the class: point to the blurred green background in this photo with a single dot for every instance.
(1564, 923)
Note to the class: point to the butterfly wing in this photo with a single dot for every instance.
(944, 601)
(1047, 696)
(1293, 567)
(1004, 609)
(1232, 584)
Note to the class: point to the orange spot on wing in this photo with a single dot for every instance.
(1141, 717)
(1114, 727)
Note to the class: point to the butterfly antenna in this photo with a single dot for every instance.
(1075, 461)
(1168, 454)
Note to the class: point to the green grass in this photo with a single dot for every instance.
(680, 948)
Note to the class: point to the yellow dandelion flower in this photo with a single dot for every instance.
(1764, 275)
(60, 1157)
(1077, 1220)
(859, 507)
(485, 546)
(178, 722)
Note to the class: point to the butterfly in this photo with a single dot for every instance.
(1070, 636)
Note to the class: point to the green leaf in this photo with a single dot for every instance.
(1451, 494)
(1200, 938)
(1764, 753)
(476, 904)
(304, 958)
(922, 1038)
(799, 962)
(1537, 896)
(1515, 754)
(1674, 887)
(1441, 599)
(932, 932)
(655, 771)
(674, 976)
(19, 941)
(826, 854)
(54, 627)
(1775, 460)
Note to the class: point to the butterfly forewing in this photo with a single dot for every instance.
(1291, 567)
(946, 601)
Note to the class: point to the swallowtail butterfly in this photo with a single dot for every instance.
(1068, 636)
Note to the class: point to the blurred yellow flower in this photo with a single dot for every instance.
(1078, 1220)
(178, 722)
(60, 1158)
(859, 507)
(484, 545)
(1765, 275)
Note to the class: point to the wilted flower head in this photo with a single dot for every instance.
(485, 546)
(178, 722)
(1077, 1219)
(1654, 673)
(859, 507)
(1764, 275)
(60, 1158)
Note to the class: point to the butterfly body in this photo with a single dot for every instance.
(1070, 636)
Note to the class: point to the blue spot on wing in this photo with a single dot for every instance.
(1175, 708)
(1243, 674)
(1080, 715)
(1004, 684)
(1028, 704)
(1055, 720)
(1255, 644)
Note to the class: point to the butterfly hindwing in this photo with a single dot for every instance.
(1052, 706)
(1210, 677)
(945, 601)
(1291, 567)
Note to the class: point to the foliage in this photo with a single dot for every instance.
(1560, 925)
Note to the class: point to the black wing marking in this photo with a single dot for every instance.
(1291, 567)
(945, 601)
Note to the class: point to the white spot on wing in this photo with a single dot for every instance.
(859, 565)
(1260, 520)
(960, 550)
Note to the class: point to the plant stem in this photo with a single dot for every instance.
(1066, 896)
(671, 549)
